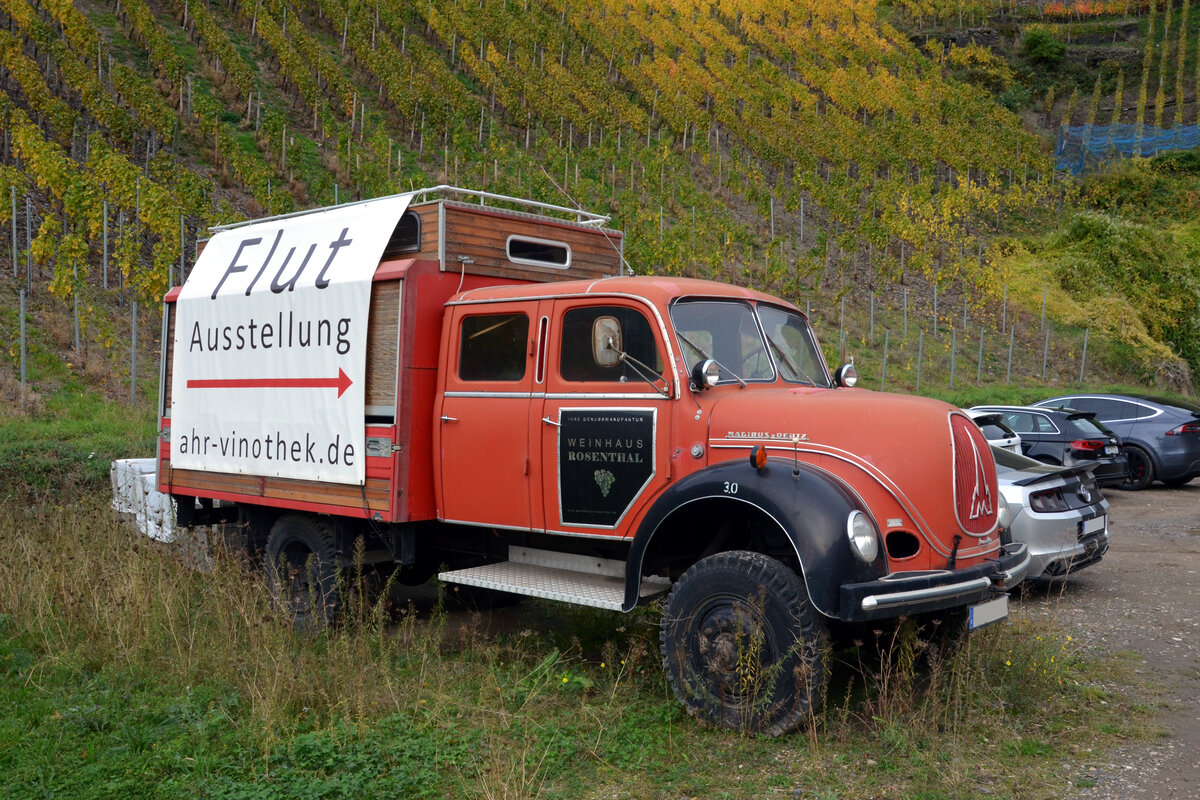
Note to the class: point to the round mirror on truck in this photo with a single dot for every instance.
(846, 375)
(705, 374)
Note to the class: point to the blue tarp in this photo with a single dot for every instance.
(1084, 147)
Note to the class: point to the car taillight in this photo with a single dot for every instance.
(1048, 501)
(1187, 427)
(1087, 444)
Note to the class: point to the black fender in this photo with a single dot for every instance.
(809, 505)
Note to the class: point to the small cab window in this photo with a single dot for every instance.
(594, 339)
(539, 252)
(493, 347)
(406, 238)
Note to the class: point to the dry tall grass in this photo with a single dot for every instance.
(87, 586)
(83, 588)
(504, 715)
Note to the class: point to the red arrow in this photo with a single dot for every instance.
(341, 383)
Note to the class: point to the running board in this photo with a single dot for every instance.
(581, 580)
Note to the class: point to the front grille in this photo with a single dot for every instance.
(975, 494)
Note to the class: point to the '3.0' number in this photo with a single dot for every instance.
(731, 487)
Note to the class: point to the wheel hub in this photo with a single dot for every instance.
(730, 643)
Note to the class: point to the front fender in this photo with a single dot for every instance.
(810, 507)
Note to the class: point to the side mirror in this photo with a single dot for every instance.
(846, 375)
(606, 341)
(705, 374)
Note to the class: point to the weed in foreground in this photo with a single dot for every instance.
(108, 631)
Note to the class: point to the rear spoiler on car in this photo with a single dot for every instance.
(1065, 472)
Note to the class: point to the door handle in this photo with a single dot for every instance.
(549, 421)
(449, 419)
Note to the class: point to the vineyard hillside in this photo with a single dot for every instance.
(870, 161)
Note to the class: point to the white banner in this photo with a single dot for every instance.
(270, 346)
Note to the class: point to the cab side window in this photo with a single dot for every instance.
(492, 347)
(630, 333)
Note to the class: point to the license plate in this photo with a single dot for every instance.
(986, 613)
(1093, 525)
(1110, 450)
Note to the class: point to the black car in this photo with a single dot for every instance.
(1067, 437)
(1161, 437)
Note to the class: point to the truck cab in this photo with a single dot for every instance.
(610, 440)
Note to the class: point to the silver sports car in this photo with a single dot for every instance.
(1058, 511)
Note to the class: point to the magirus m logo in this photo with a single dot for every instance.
(981, 498)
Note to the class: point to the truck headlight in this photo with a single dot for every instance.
(863, 539)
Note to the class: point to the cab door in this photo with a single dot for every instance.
(605, 422)
(483, 425)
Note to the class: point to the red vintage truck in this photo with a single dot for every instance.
(469, 385)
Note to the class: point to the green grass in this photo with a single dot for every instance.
(123, 669)
(491, 720)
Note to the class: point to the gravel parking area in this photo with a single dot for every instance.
(1142, 602)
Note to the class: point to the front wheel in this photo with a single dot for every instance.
(1141, 469)
(742, 645)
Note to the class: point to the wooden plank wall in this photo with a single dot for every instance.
(383, 344)
(481, 234)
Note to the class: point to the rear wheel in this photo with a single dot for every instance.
(742, 645)
(303, 569)
(1141, 469)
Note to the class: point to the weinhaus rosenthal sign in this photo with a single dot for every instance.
(270, 346)
(605, 459)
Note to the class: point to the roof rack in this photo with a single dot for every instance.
(444, 191)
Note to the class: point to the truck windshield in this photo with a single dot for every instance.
(748, 346)
(793, 347)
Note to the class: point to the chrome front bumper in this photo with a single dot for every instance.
(905, 593)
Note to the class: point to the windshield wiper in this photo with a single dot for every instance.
(788, 361)
(705, 355)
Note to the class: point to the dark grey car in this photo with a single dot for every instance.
(1066, 437)
(1160, 437)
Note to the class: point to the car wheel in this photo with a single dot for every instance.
(303, 569)
(1141, 469)
(742, 645)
